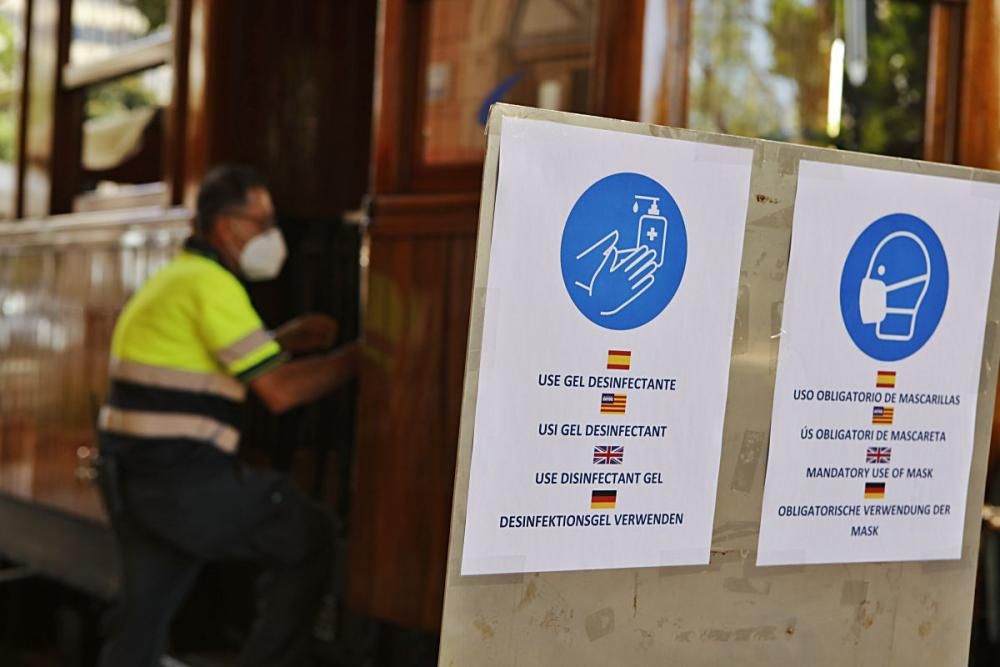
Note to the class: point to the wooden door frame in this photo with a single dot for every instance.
(944, 77)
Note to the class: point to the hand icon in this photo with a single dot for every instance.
(595, 258)
(619, 276)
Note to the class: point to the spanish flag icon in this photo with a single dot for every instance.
(885, 380)
(603, 500)
(619, 360)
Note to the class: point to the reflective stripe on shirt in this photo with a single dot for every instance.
(165, 425)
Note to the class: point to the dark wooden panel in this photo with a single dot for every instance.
(287, 87)
(411, 392)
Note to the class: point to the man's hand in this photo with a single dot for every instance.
(308, 333)
(304, 380)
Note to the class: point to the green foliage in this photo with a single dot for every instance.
(737, 79)
(8, 48)
(8, 134)
(155, 11)
(886, 114)
(8, 71)
(125, 93)
(800, 34)
(728, 93)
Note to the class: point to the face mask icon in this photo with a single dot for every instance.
(895, 285)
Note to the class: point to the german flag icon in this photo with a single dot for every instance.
(603, 500)
(874, 490)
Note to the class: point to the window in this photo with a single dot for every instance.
(120, 74)
(101, 28)
(12, 26)
(762, 68)
(123, 133)
(533, 52)
(885, 105)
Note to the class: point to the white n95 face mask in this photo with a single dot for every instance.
(872, 300)
(873, 297)
(263, 255)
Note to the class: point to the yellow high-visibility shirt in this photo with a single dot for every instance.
(183, 350)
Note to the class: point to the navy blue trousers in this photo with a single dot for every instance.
(175, 505)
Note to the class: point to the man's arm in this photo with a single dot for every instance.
(307, 334)
(302, 381)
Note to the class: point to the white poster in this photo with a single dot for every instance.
(611, 297)
(878, 367)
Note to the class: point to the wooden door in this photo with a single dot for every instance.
(440, 64)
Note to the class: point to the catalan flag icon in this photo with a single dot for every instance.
(882, 415)
(603, 500)
(619, 360)
(874, 490)
(613, 404)
(885, 380)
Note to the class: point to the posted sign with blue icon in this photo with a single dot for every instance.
(613, 276)
(872, 429)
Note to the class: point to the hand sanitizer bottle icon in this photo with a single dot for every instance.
(652, 228)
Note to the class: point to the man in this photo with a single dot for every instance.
(184, 351)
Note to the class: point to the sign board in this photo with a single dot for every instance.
(730, 611)
(613, 276)
(878, 367)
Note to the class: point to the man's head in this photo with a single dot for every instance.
(236, 216)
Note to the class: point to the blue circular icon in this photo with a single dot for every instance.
(623, 251)
(894, 287)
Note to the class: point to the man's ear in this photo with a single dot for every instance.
(220, 230)
(223, 234)
(224, 239)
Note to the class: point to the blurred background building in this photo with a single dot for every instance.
(367, 118)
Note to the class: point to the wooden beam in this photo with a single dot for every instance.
(141, 54)
(675, 71)
(67, 135)
(24, 79)
(396, 65)
(174, 153)
(944, 76)
(617, 73)
(979, 117)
